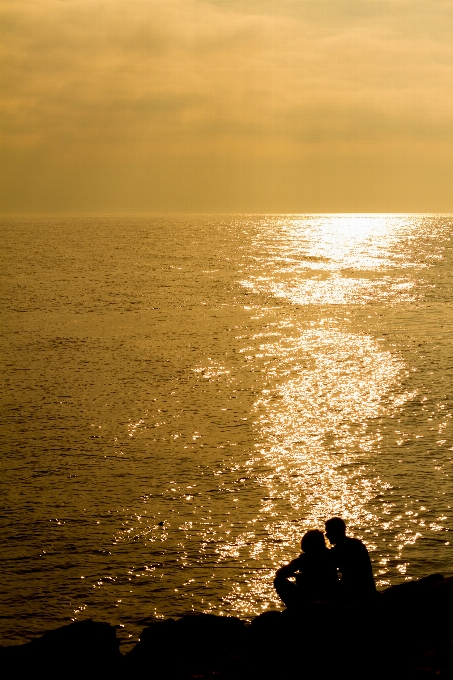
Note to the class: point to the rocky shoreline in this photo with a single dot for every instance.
(406, 634)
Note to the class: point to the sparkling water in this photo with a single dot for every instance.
(186, 396)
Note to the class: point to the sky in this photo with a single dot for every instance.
(283, 106)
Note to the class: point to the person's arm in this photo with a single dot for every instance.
(288, 569)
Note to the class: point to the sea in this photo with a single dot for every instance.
(185, 396)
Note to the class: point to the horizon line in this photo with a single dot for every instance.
(210, 213)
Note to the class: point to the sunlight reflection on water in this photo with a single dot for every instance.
(328, 384)
(191, 395)
(314, 434)
(317, 260)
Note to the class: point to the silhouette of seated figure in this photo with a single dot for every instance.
(314, 571)
(351, 558)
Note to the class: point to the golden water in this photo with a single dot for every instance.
(186, 396)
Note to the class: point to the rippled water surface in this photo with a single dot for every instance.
(185, 397)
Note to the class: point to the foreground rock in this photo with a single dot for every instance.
(407, 633)
(83, 648)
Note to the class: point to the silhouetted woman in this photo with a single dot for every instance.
(314, 571)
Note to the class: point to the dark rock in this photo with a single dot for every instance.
(411, 589)
(436, 663)
(80, 648)
(199, 644)
(406, 633)
(416, 616)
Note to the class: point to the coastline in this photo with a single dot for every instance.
(407, 632)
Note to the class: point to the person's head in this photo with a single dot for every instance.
(335, 529)
(313, 541)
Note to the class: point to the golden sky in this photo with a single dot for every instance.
(136, 106)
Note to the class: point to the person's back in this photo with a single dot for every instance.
(353, 561)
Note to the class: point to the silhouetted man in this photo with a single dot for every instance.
(351, 557)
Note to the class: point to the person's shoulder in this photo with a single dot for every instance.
(328, 556)
(331, 554)
(298, 562)
(356, 544)
(301, 559)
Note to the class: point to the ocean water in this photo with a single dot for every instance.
(185, 396)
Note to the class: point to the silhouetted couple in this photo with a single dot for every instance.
(316, 570)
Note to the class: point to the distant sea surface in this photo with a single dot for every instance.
(186, 396)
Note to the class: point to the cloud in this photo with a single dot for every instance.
(132, 82)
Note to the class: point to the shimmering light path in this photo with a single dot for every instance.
(188, 396)
(328, 385)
